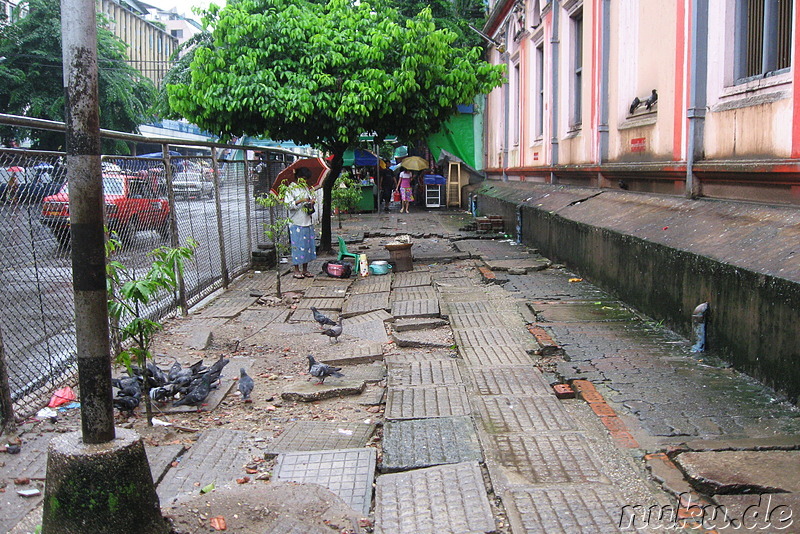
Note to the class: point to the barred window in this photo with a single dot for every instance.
(764, 31)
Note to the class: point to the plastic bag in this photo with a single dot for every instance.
(62, 396)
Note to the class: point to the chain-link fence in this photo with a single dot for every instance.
(150, 201)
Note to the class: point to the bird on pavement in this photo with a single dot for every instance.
(197, 395)
(245, 385)
(173, 371)
(127, 403)
(321, 318)
(333, 332)
(322, 370)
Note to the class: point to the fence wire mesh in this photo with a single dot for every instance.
(211, 202)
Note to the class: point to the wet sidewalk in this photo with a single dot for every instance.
(461, 355)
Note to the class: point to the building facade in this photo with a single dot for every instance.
(685, 97)
(149, 45)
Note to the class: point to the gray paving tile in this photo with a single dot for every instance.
(425, 501)
(585, 509)
(365, 353)
(510, 380)
(227, 307)
(290, 525)
(374, 330)
(494, 337)
(381, 315)
(408, 356)
(492, 249)
(411, 278)
(372, 284)
(218, 456)
(491, 356)
(425, 373)
(482, 320)
(348, 473)
(415, 308)
(502, 413)
(31, 462)
(304, 315)
(357, 304)
(320, 435)
(479, 306)
(410, 402)
(325, 292)
(161, 458)
(453, 283)
(321, 303)
(414, 293)
(526, 459)
(425, 442)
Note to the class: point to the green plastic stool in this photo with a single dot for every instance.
(344, 253)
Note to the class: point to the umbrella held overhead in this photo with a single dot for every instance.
(414, 163)
(316, 166)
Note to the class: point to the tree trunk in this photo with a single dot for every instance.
(325, 241)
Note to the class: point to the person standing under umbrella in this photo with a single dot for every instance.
(300, 200)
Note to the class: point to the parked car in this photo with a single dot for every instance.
(132, 204)
(191, 182)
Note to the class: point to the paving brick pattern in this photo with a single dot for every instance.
(320, 435)
(325, 292)
(218, 456)
(492, 356)
(590, 509)
(374, 330)
(323, 304)
(418, 402)
(521, 414)
(414, 293)
(495, 337)
(415, 308)
(380, 315)
(304, 315)
(426, 373)
(527, 459)
(411, 279)
(481, 320)
(228, 307)
(425, 442)
(479, 306)
(426, 501)
(372, 284)
(365, 303)
(349, 473)
(581, 311)
(489, 248)
(511, 380)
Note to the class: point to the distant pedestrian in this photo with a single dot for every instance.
(406, 190)
(387, 186)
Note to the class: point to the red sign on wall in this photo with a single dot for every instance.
(639, 144)
(535, 156)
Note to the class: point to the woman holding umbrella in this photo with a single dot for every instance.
(300, 200)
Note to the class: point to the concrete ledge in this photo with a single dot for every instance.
(665, 255)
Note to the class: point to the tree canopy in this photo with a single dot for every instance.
(322, 73)
(31, 77)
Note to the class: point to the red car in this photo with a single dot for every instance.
(132, 204)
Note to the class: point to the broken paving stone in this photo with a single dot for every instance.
(434, 338)
(310, 391)
(404, 325)
(716, 472)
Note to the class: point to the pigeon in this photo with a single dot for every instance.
(635, 104)
(651, 100)
(156, 376)
(622, 185)
(161, 394)
(245, 385)
(322, 370)
(127, 403)
(333, 332)
(197, 395)
(321, 318)
(173, 371)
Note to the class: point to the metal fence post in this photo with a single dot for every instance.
(247, 213)
(223, 260)
(173, 225)
(7, 419)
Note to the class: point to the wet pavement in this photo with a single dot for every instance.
(474, 438)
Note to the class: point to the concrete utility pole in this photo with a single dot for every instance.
(84, 492)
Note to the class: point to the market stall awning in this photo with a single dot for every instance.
(360, 158)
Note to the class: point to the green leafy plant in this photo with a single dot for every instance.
(129, 294)
(277, 230)
(345, 196)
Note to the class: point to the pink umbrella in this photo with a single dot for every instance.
(16, 169)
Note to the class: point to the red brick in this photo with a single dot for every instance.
(625, 439)
(591, 396)
(602, 409)
(542, 336)
(614, 424)
(564, 391)
(583, 385)
(487, 273)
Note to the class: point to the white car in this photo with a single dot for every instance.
(191, 182)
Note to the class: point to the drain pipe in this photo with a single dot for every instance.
(699, 317)
(519, 224)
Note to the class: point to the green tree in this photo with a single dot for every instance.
(322, 73)
(345, 195)
(179, 73)
(455, 15)
(31, 78)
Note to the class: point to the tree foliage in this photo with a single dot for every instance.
(31, 76)
(455, 15)
(321, 73)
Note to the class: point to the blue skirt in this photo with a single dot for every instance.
(304, 249)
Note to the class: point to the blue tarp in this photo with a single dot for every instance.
(434, 179)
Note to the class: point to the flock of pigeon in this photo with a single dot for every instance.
(188, 386)
(191, 386)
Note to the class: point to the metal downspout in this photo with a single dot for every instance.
(696, 114)
(554, 91)
(602, 127)
(506, 98)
